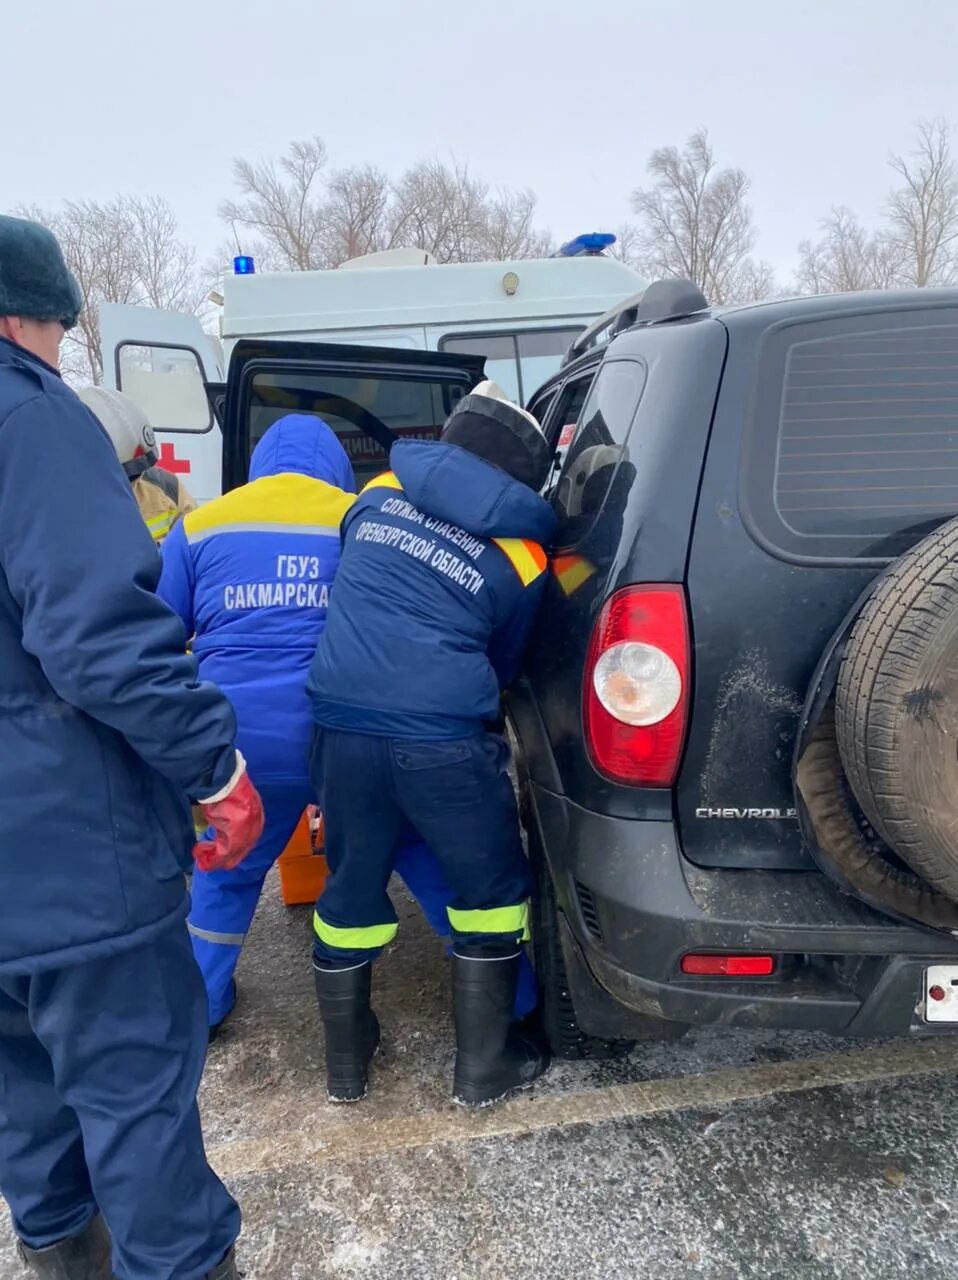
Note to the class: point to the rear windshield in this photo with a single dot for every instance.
(853, 451)
(367, 414)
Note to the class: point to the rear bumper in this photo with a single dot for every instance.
(633, 905)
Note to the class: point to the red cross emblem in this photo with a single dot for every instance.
(170, 462)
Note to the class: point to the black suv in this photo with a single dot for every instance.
(729, 482)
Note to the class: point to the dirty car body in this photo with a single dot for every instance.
(766, 463)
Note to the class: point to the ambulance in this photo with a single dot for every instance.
(381, 348)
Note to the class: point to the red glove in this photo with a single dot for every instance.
(236, 814)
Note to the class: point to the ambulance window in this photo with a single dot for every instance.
(166, 382)
(520, 362)
(540, 354)
(367, 413)
(502, 364)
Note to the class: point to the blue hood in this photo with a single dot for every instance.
(447, 482)
(305, 445)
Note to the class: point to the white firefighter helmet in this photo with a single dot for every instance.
(487, 423)
(126, 425)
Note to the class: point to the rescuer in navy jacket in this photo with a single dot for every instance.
(105, 732)
(442, 566)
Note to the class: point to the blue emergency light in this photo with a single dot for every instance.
(243, 265)
(592, 242)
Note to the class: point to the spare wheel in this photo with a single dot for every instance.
(897, 709)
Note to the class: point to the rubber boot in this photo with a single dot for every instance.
(226, 1270)
(82, 1257)
(351, 1029)
(494, 1056)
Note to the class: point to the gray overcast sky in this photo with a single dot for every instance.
(808, 96)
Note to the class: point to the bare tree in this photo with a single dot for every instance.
(439, 208)
(507, 228)
(164, 265)
(695, 222)
(628, 244)
(848, 258)
(355, 214)
(917, 244)
(753, 282)
(282, 205)
(127, 250)
(293, 215)
(923, 211)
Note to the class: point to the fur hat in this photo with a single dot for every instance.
(35, 281)
(487, 423)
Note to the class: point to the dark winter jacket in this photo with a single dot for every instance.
(442, 568)
(104, 730)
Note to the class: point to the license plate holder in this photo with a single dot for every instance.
(941, 993)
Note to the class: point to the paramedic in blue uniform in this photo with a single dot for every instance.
(104, 733)
(250, 575)
(442, 567)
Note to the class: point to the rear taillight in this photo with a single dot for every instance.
(635, 691)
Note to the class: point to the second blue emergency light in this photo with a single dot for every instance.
(591, 243)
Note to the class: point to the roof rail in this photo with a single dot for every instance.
(662, 300)
(619, 317)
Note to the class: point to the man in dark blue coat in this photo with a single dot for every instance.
(442, 566)
(104, 733)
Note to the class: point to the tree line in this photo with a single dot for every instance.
(691, 218)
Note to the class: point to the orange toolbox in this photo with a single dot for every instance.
(302, 864)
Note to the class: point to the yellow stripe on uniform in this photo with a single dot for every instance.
(288, 500)
(527, 558)
(387, 480)
(367, 938)
(493, 920)
(159, 526)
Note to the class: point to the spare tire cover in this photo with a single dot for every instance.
(897, 709)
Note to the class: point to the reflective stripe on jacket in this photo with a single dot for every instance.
(162, 499)
(250, 574)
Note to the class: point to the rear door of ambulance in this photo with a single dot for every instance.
(168, 364)
(370, 396)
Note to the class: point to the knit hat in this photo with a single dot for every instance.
(488, 424)
(35, 281)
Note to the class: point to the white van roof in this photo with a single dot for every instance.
(374, 296)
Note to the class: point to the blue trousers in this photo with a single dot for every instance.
(224, 902)
(99, 1068)
(417, 867)
(458, 796)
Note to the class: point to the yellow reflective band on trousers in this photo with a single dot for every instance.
(493, 920)
(366, 938)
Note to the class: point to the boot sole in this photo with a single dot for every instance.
(481, 1103)
(340, 1100)
(348, 1096)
